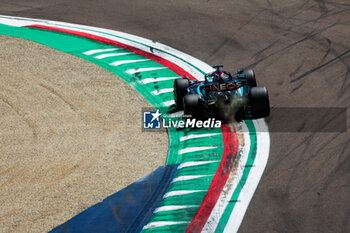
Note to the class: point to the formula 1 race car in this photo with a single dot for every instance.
(222, 96)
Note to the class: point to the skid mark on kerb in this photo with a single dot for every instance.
(151, 80)
(162, 224)
(101, 56)
(189, 177)
(194, 136)
(194, 163)
(139, 70)
(251, 182)
(118, 63)
(226, 197)
(174, 207)
(195, 149)
(181, 192)
(94, 51)
(218, 182)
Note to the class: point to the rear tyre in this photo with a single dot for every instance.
(180, 90)
(250, 76)
(259, 102)
(239, 114)
(193, 106)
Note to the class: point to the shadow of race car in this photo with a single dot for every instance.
(222, 96)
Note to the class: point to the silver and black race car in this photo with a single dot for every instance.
(222, 96)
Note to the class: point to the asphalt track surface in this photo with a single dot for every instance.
(299, 49)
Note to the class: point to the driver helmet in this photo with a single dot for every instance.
(219, 76)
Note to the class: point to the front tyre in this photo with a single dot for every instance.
(259, 102)
(250, 76)
(180, 90)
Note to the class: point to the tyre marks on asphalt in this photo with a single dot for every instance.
(339, 57)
